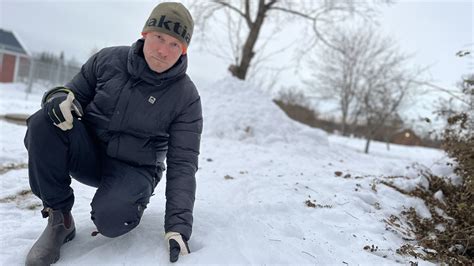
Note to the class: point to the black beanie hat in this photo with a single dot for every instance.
(171, 18)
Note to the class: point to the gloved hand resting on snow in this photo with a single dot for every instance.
(177, 245)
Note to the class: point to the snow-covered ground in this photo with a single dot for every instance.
(270, 191)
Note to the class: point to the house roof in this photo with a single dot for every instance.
(9, 42)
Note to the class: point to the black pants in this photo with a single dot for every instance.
(55, 155)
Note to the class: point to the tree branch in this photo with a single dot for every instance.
(247, 13)
(450, 92)
(294, 12)
(235, 9)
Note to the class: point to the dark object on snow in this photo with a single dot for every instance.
(19, 119)
(60, 229)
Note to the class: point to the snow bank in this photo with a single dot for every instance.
(272, 204)
(13, 98)
(12, 150)
(237, 110)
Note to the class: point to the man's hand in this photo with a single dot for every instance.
(59, 108)
(176, 245)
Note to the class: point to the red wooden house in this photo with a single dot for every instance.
(12, 55)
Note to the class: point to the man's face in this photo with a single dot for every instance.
(161, 51)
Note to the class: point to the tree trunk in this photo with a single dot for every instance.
(344, 124)
(367, 144)
(387, 141)
(240, 71)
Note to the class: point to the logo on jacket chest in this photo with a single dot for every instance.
(152, 100)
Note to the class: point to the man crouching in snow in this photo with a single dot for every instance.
(111, 127)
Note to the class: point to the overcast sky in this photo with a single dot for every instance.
(433, 30)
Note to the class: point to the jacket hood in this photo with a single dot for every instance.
(138, 67)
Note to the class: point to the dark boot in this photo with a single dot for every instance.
(60, 229)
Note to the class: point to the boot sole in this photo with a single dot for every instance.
(70, 236)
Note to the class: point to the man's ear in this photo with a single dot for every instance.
(144, 35)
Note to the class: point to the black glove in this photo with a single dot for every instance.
(176, 245)
(58, 104)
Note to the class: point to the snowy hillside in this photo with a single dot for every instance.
(269, 191)
(234, 110)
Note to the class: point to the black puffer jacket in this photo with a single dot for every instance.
(142, 117)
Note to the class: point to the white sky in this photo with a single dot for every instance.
(433, 30)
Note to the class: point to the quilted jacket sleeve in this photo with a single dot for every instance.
(182, 161)
(84, 83)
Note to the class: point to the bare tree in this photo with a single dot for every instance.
(387, 83)
(367, 76)
(339, 73)
(381, 100)
(244, 20)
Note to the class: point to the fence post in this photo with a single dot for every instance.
(66, 73)
(32, 69)
(58, 74)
